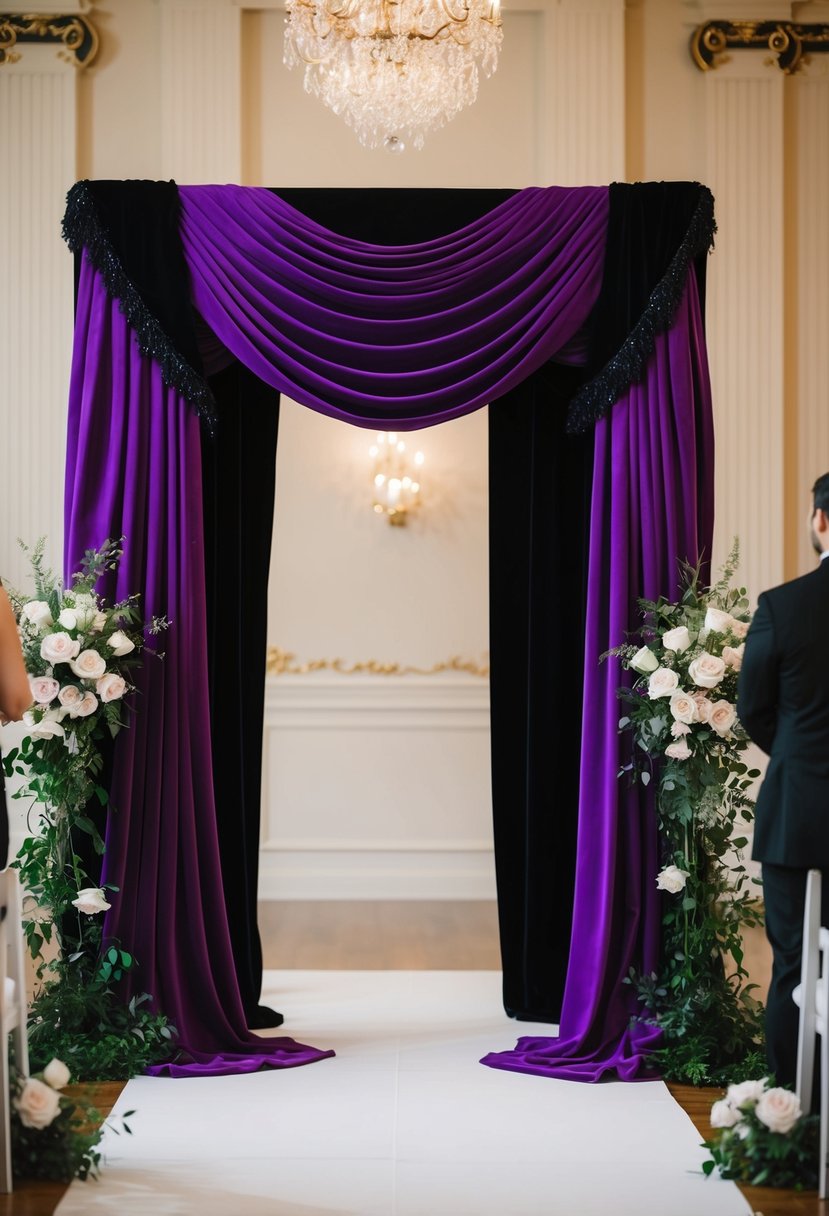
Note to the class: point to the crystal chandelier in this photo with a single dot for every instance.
(393, 69)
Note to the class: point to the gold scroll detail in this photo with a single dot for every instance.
(75, 35)
(282, 662)
(792, 42)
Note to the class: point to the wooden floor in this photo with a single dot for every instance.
(417, 935)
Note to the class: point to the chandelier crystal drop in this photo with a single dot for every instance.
(393, 69)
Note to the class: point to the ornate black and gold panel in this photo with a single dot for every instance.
(73, 34)
(790, 43)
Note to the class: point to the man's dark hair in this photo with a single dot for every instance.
(820, 492)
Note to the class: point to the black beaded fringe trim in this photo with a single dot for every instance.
(627, 367)
(82, 229)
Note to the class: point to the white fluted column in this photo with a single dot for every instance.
(37, 112)
(745, 169)
(200, 90)
(809, 299)
(583, 136)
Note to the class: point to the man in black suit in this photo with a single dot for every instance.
(783, 703)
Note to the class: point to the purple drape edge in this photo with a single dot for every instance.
(413, 334)
(652, 507)
(134, 469)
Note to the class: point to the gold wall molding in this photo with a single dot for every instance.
(73, 33)
(281, 662)
(791, 42)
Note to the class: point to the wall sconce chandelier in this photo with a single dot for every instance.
(396, 481)
(393, 69)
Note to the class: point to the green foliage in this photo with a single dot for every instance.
(88, 1025)
(711, 1022)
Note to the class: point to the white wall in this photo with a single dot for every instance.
(587, 91)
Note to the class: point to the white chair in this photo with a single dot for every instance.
(812, 997)
(13, 1011)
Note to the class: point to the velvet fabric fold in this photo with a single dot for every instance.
(407, 335)
(652, 508)
(134, 470)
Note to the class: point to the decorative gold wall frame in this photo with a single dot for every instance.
(73, 33)
(282, 662)
(792, 43)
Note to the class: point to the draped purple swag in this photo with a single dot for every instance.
(407, 336)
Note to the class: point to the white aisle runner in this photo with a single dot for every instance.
(404, 1122)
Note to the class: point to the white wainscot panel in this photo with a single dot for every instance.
(376, 788)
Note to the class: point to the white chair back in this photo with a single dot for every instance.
(812, 996)
(13, 1008)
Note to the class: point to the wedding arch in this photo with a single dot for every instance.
(576, 316)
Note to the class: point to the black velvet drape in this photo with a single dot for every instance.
(238, 479)
(539, 494)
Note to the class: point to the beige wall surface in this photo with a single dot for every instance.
(587, 91)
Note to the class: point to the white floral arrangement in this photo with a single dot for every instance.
(79, 652)
(55, 1137)
(763, 1137)
(76, 650)
(687, 740)
(681, 670)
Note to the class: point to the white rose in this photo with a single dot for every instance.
(683, 707)
(703, 706)
(68, 619)
(58, 648)
(723, 716)
(111, 687)
(98, 623)
(717, 621)
(91, 900)
(120, 644)
(89, 665)
(706, 670)
(56, 1074)
(662, 683)
(678, 729)
(86, 706)
(37, 1104)
(44, 689)
(678, 639)
(779, 1109)
(739, 628)
(672, 879)
(723, 1114)
(644, 661)
(678, 751)
(745, 1091)
(733, 656)
(37, 612)
(70, 696)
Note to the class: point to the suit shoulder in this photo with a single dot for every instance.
(807, 586)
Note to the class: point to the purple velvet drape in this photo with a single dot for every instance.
(134, 469)
(652, 507)
(409, 335)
